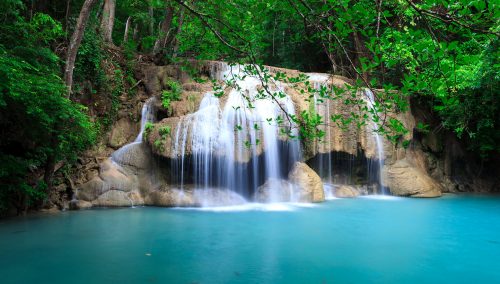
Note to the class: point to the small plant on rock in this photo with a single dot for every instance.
(164, 131)
(173, 93)
(148, 128)
(158, 144)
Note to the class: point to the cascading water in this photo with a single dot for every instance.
(123, 155)
(370, 100)
(322, 107)
(234, 144)
(343, 162)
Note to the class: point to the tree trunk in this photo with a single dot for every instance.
(75, 41)
(127, 27)
(164, 30)
(151, 19)
(135, 33)
(66, 17)
(50, 165)
(361, 52)
(108, 20)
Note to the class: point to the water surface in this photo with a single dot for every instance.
(364, 240)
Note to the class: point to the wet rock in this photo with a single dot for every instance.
(216, 197)
(275, 190)
(90, 190)
(307, 183)
(403, 179)
(116, 178)
(79, 204)
(123, 131)
(169, 198)
(346, 191)
(136, 155)
(113, 198)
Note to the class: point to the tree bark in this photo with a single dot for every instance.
(361, 52)
(127, 27)
(135, 34)
(164, 30)
(66, 16)
(151, 19)
(108, 20)
(75, 41)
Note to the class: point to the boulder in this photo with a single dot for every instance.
(123, 131)
(275, 190)
(91, 189)
(136, 198)
(116, 178)
(169, 198)
(113, 198)
(307, 182)
(136, 155)
(79, 204)
(404, 179)
(346, 191)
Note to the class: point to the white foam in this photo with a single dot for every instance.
(381, 197)
(318, 77)
(267, 207)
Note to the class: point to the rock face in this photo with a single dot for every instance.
(122, 132)
(403, 179)
(346, 191)
(308, 183)
(113, 198)
(426, 169)
(172, 197)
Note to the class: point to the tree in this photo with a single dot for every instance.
(40, 125)
(161, 42)
(108, 20)
(75, 42)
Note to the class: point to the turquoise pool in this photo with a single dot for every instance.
(364, 240)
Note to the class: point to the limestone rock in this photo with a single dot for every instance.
(403, 179)
(123, 131)
(308, 183)
(169, 198)
(79, 204)
(113, 198)
(136, 154)
(346, 191)
(90, 190)
(136, 198)
(115, 178)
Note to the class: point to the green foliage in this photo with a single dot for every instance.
(88, 65)
(442, 52)
(37, 120)
(148, 128)
(173, 93)
(164, 131)
(158, 144)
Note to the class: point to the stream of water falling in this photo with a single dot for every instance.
(234, 144)
(322, 106)
(123, 155)
(370, 100)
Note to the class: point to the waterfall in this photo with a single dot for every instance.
(343, 162)
(322, 107)
(370, 100)
(147, 115)
(233, 142)
(124, 154)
